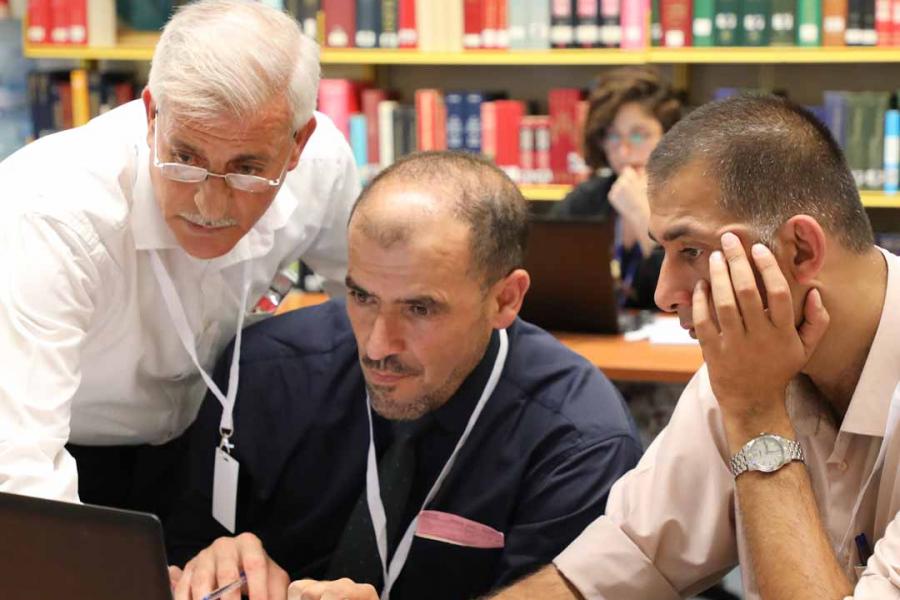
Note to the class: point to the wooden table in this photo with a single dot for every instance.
(618, 359)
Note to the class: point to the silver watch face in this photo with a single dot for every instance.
(765, 454)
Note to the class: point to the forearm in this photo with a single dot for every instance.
(546, 584)
(789, 549)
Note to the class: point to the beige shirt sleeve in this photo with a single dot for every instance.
(669, 525)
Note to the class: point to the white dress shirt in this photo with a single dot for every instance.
(88, 350)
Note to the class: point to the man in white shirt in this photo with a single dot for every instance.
(783, 454)
(131, 248)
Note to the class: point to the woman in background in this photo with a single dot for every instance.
(629, 111)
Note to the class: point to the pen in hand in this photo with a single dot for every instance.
(234, 585)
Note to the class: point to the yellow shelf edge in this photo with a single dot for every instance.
(553, 192)
(482, 57)
(876, 199)
(772, 55)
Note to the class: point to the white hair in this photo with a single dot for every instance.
(230, 58)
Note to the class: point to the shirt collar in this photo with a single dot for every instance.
(868, 410)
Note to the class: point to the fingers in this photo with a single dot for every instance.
(342, 589)
(727, 313)
(778, 294)
(222, 563)
(704, 326)
(256, 565)
(815, 321)
(175, 574)
(743, 281)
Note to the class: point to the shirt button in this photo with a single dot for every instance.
(842, 466)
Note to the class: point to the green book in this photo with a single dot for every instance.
(703, 23)
(757, 14)
(727, 26)
(781, 24)
(809, 22)
(655, 24)
(854, 132)
(877, 104)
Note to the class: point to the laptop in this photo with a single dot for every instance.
(572, 287)
(62, 550)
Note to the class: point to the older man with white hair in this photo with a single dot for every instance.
(131, 249)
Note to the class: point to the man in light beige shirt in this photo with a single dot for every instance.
(814, 358)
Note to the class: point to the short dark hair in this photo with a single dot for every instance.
(612, 90)
(772, 160)
(478, 194)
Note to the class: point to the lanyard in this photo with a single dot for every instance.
(373, 490)
(186, 335)
(890, 427)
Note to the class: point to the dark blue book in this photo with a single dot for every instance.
(472, 125)
(368, 23)
(835, 115)
(456, 120)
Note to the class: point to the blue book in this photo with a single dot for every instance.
(891, 151)
(368, 23)
(472, 113)
(358, 141)
(835, 107)
(456, 120)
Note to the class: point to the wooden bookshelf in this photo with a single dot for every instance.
(139, 45)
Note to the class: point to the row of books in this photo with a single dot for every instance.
(63, 99)
(454, 25)
(72, 22)
(530, 148)
(702, 23)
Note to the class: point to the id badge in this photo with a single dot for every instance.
(225, 484)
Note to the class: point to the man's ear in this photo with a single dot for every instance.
(150, 109)
(802, 246)
(301, 137)
(507, 296)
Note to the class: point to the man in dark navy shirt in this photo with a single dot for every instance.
(488, 446)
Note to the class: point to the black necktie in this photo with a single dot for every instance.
(356, 554)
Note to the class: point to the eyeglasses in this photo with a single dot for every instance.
(191, 174)
(635, 139)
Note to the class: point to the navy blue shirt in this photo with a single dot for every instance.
(538, 465)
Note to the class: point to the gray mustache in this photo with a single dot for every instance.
(203, 222)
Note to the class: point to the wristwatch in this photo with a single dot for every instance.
(767, 453)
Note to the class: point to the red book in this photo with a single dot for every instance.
(489, 130)
(337, 99)
(39, 22)
(502, 24)
(60, 21)
(895, 22)
(490, 24)
(340, 22)
(407, 31)
(509, 120)
(543, 173)
(526, 149)
(78, 22)
(473, 23)
(676, 17)
(563, 131)
(370, 99)
(428, 119)
(884, 27)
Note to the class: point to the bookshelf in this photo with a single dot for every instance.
(138, 46)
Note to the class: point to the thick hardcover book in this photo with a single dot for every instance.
(562, 23)
(455, 105)
(587, 16)
(509, 120)
(809, 23)
(676, 23)
(756, 22)
(388, 38)
(371, 97)
(782, 23)
(564, 140)
(386, 110)
(610, 28)
(428, 119)
(473, 23)
(703, 23)
(472, 125)
(727, 26)
(518, 15)
(306, 12)
(407, 30)
(340, 22)
(60, 21)
(337, 99)
(368, 23)
(877, 105)
(656, 39)
(834, 22)
(538, 34)
(39, 23)
(883, 22)
(869, 34)
(853, 35)
(835, 106)
(634, 24)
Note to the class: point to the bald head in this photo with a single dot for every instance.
(419, 192)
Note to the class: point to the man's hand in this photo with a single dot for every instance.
(752, 352)
(342, 589)
(222, 563)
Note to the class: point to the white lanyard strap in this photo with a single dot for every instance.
(890, 426)
(186, 335)
(373, 490)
